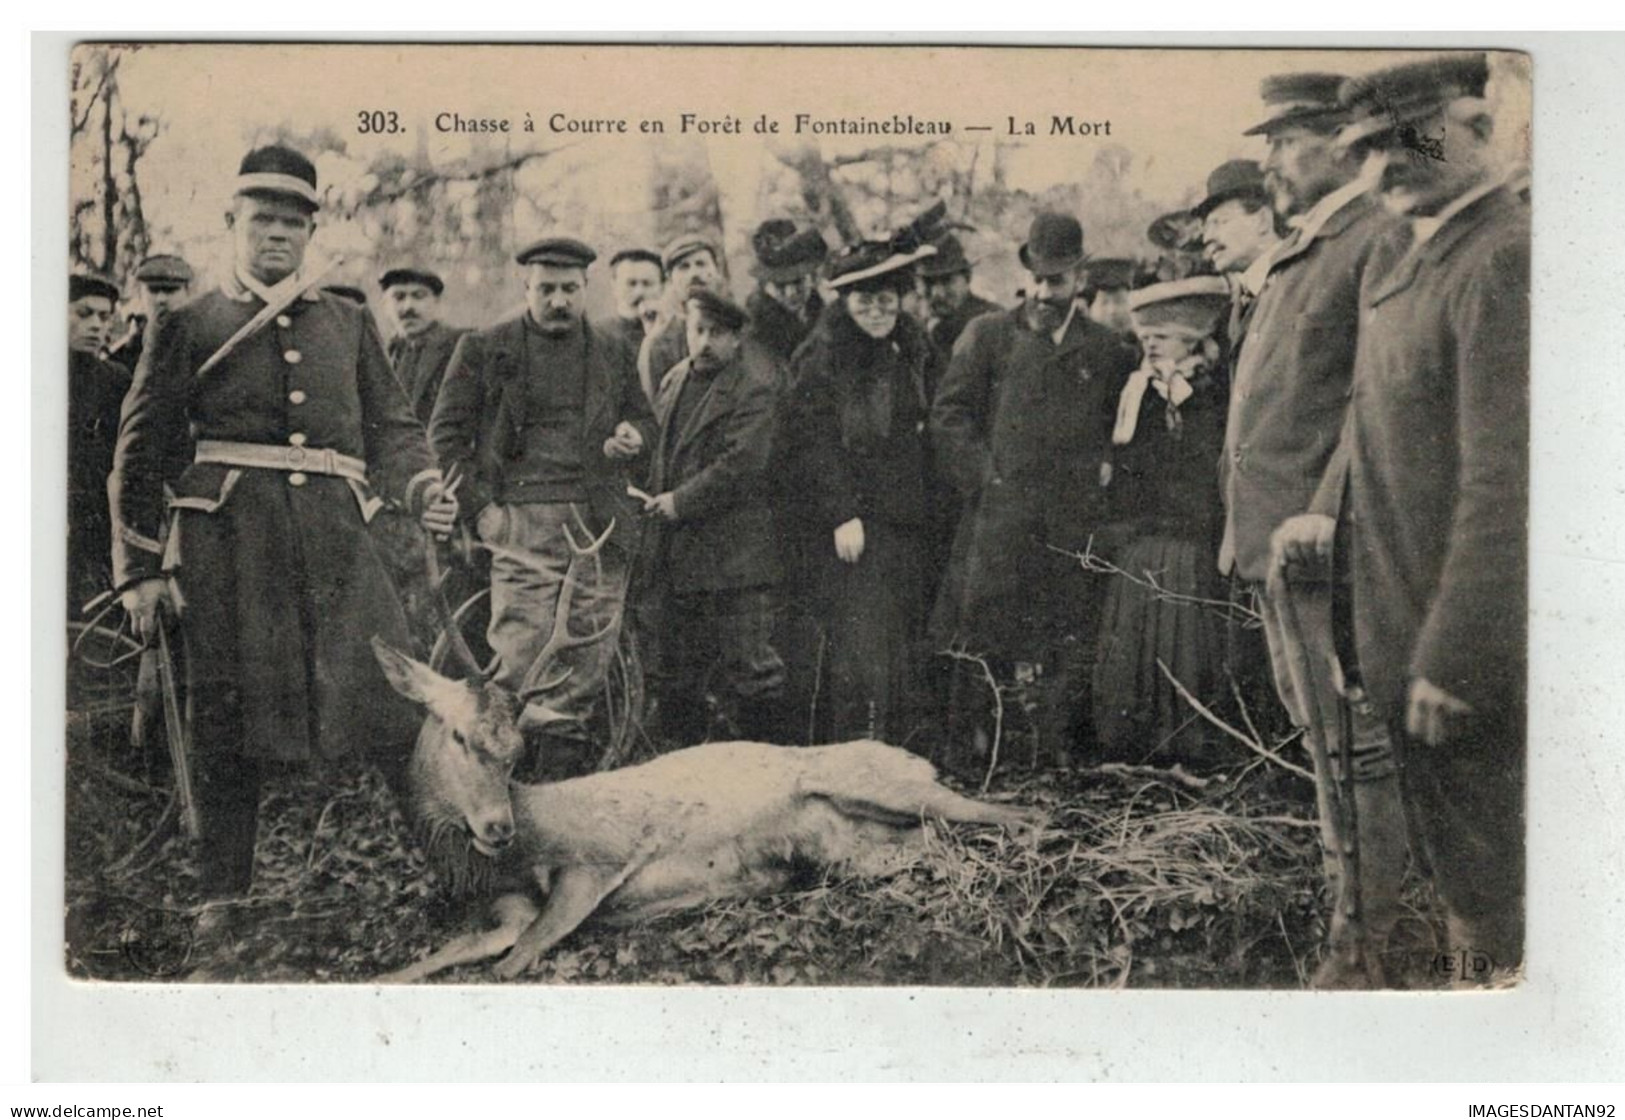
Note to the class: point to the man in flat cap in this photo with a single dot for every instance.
(266, 428)
(638, 279)
(422, 345)
(1293, 375)
(163, 283)
(692, 262)
(713, 553)
(96, 389)
(947, 280)
(1021, 425)
(542, 416)
(785, 303)
(1432, 515)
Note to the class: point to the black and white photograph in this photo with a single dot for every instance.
(797, 516)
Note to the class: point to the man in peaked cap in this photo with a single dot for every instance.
(785, 303)
(639, 279)
(947, 279)
(713, 545)
(692, 261)
(163, 283)
(262, 418)
(1432, 513)
(422, 345)
(1020, 425)
(96, 389)
(543, 417)
(1293, 375)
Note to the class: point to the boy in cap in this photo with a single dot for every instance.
(1431, 513)
(96, 389)
(262, 418)
(163, 283)
(542, 416)
(422, 346)
(1293, 376)
(713, 547)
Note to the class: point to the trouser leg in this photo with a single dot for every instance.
(227, 788)
(751, 675)
(680, 656)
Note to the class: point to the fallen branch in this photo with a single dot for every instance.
(1230, 610)
(1206, 713)
(998, 707)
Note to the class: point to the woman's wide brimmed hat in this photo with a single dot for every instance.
(1192, 306)
(784, 253)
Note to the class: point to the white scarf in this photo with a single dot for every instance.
(274, 292)
(1172, 386)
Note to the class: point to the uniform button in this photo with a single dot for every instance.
(292, 357)
(283, 321)
(297, 396)
(297, 478)
(297, 439)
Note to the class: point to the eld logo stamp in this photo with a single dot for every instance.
(156, 942)
(1464, 964)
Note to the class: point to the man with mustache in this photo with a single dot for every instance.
(1432, 513)
(1292, 381)
(692, 264)
(542, 417)
(638, 280)
(1240, 233)
(261, 422)
(1021, 425)
(947, 280)
(422, 346)
(713, 548)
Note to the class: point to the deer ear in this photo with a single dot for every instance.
(411, 678)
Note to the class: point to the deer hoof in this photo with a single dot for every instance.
(515, 964)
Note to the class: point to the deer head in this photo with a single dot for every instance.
(465, 752)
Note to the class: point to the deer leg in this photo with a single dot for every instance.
(576, 893)
(514, 913)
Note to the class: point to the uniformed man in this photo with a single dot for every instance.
(692, 262)
(638, 279)
(265, 426)
(422, 345)
(96, 389)
(785, 304)
(947, 280)
(543, 416)
(1433, 513)
(163, 283)
(1291, 389)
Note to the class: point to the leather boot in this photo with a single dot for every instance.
(1355, 957)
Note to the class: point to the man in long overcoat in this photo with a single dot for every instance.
(542, 417)
(713, 550)
(274, 453)
(1435, 506)
(1291, 390)
(1021, 424)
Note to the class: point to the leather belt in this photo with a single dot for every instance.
(272, 457)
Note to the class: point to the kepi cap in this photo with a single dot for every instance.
(1389, 100)
(1308, 100)
(82, 284)
(279, 171)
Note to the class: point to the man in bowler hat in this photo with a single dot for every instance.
(947, 280)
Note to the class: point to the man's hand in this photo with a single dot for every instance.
(849, 540)
(1433, 716)
(141, 602)
(663, 506)
(1301, 548)
(490, 523)
(626, 443)
(440, 509)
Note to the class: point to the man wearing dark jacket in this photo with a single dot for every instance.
(639, 278)
(164, 282)
(785, 304)
(263, 457)
(1433, 512)
(693, 263)
(1021, 425)
(96, 391)
(1292, 382)
(542, 416)
(947, 277)
(422, 345)
(713, 552)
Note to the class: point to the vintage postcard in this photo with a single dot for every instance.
(998, 517)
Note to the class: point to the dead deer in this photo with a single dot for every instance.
(712, 822)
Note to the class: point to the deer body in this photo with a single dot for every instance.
(718, 821)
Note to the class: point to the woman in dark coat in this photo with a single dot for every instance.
(857, 429)
(1163, 517)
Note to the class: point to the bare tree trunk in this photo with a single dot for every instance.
(821, 193)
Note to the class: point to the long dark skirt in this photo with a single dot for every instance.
(1139, 716)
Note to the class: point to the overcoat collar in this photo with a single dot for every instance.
(1491, 207)
(1335, 225)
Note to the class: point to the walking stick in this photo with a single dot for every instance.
(178, 731)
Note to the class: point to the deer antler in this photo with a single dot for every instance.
(453, 632)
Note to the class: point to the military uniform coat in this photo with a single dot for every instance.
(1436, 502)
(1291, 385)
(281, 581)
(479, 422)
(420, 365)
(1021, 425)
(716, 463)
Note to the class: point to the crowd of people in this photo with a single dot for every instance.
(819, 506)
